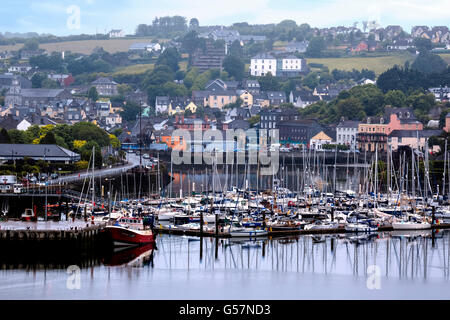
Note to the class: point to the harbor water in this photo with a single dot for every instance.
(389, 265)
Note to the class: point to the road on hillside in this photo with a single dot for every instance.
(133, 161)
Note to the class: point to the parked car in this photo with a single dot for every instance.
(285, 149)
(54, 176)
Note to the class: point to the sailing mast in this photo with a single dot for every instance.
(93, 180)
(443, 175)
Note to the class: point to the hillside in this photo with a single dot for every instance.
(86, 46)
(377, 64)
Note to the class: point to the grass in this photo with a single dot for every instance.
(86, 46)
(134, 69)
(377, 64)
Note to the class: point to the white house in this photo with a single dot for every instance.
(262, 64)
(150, 47)
(346, 132)
(116, 34)
(19, 68)
(319, 140)
(292, 63)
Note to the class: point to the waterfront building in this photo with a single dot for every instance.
(413, 139)
(319, 140)
(50, 153)
(346, 132)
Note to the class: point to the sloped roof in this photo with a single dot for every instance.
(321, 136)
(36, 151)
(41, 93)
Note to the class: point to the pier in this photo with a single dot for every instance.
(79, 233)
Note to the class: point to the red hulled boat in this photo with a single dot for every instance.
(129, 232)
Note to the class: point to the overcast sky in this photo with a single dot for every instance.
(58, 17)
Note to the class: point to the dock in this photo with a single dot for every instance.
(48, 231)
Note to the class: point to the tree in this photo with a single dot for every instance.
(90, 132)
(316, 47)
(350, 108)
(31, 45)
(395, 98)
(311, 80)
(130, 111)
(269, 83)
(159, 75)
(17, 136)
(49, 138)
(93, 94)
(234, 66)
(114, 142)
(236, 49)
(194, 24)
(170, 57)
(38, 79)
(172, 89)
(50, 84)
(423, 45)
(429, 63)
(4, 136)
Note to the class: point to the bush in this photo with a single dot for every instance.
(81, 165)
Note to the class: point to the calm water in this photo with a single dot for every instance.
(305, 267)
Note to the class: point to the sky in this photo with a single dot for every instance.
(65, 17)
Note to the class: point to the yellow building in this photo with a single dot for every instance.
(181, 106)
(247, 98)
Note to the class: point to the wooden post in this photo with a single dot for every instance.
(217, 225)
(433, 216)
(201, 224)
(264, 220)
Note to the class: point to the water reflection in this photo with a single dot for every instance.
(412, 264)
(411, 254)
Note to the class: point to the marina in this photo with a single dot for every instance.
(305, 227)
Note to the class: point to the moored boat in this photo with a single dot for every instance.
(129, 231)
(410, 225)
(247, 232)
(28, 215)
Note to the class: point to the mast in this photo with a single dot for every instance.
(334, 175)
(93, 180)
(443, 175)
(376, 175)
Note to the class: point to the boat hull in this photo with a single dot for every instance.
(248, 234)
(120, 236)
(410, 226)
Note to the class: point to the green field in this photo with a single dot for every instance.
(143, 68)
(134, 69)
(377, 64)
(86, 46)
